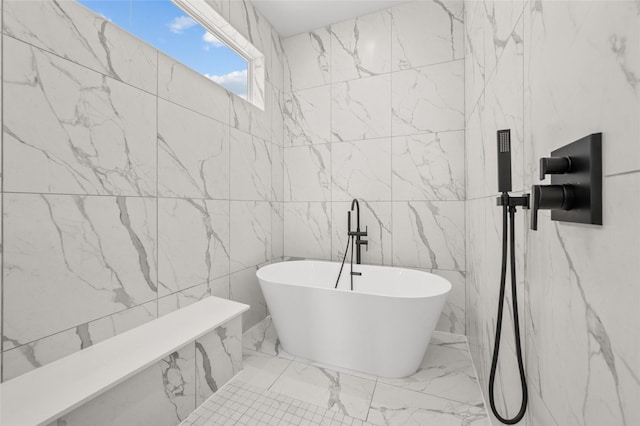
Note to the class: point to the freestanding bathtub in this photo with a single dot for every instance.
(382, 328)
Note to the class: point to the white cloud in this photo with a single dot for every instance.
(211, 40)
(235, 81)
(180, 24)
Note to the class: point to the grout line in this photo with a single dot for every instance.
(76, 326)
(375, 386)
(391, 138)
(150, 197)
(464, 162)
(157, 187)
(631, 172)
(125, 310)
(2, 206)
(412, 68)
(47, 52)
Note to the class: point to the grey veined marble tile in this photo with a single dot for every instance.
(346, 394)
(446, 373)
(361, 47)
(193, 242)
(193, 154)
(394, 406)
(429, 166)
(428, 99)
(32, 355)
(161, 395)
(74, 32)
(73, 130)
(426, 32)
(361, 109)
(307, 116)
(429, 234)
(307, 60)
(218, 358)
(73, 259)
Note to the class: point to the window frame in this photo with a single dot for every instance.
(205, 15)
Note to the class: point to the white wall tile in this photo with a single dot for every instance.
(193, 242)
(163, 395)
(32, 355)
(474, 72)
(360, 109)
(72, 130)
(71, 31)
(193, 154)
(418, 24)
(361, 170)
(250, 160)
(250, 119)
(452, 318)
(307, 59)
(429, 234)
(307, 118)
(218, 358)
(245, 288)
(307, 230)
(250, 234)
(184, 86)
(277, 230)
(277, 117)
(429, 166)
(361, 47)
(277, 173)
(428, 99)
(182, 298)
(72, 259)
(500, 28)
(307, 173)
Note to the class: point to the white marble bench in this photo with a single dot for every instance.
(70, 384)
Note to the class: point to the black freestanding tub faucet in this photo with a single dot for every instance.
(359, 242)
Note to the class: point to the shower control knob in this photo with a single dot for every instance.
(554, 166)
(550, 197)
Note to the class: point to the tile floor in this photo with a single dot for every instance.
(273, 386)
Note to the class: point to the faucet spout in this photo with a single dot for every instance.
(357, 206)
(359, 242)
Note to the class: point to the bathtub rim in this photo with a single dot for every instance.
(343, 290)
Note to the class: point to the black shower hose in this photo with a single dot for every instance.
(516, 325)
(346, 250)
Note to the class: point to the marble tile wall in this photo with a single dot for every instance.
(554, 71)
(168, 391)
(374, 110)
(134, 185)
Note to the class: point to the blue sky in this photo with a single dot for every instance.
(166, 27)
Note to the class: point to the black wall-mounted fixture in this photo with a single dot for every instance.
(575, 193)
(509, 206)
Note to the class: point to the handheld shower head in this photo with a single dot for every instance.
(504, 160)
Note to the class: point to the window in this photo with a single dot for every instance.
(193, 33)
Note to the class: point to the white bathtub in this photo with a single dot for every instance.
(382, 328)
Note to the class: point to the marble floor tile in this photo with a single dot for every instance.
(260, 369)
(335, 391)
(444, 372)
(449, 340)
(394, 406)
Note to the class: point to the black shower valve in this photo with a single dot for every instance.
(554, 166)
(550, 197)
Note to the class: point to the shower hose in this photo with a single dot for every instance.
(516, 326)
